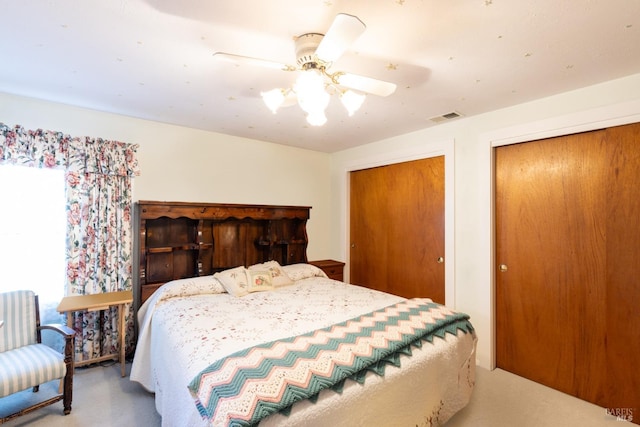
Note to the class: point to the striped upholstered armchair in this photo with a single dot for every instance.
(24, 361)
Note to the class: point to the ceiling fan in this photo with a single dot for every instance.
(315, 54)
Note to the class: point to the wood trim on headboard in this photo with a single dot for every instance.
(178, 240)
(153, 209)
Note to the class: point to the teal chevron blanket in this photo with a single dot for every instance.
(243, 388)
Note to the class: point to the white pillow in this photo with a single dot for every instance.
(193, 286)
(302, 271)
(234, 281)
(278, 276)
(259, 280)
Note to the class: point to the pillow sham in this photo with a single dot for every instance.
(278, 276)
(192, 286)
(259, 280)
(234, 281)
(302, 271)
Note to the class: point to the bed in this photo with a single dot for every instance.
(190, 329)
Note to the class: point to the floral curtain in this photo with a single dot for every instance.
(99, 246)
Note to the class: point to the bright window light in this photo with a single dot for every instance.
(32, 234)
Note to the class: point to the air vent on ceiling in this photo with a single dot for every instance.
(445, 117)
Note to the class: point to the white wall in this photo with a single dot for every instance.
(612, 103)
(182, 164)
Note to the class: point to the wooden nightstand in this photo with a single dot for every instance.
(333, 269)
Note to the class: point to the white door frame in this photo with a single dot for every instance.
(440, 148)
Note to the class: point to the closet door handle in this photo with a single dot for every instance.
(440, 260)
(503, 268)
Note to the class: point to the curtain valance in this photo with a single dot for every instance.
(49, 149)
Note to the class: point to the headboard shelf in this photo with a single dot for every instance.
(177, 240)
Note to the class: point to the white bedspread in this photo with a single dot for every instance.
(186, 327)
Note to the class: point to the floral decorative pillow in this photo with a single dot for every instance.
(302, 271)
(234, 281)
(278, 276)
(259, 280)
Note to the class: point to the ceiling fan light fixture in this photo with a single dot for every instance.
(273, 99)
(311, 93)
(316, 118)
(352, 101)
(315, 55)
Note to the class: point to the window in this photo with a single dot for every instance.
(32, 235)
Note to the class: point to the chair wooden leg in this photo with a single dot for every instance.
(68, 392)
(68, 378)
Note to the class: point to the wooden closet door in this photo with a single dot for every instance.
(397, 228)
(568, 236)
(369, 216)
(550, 238)
(623, 270)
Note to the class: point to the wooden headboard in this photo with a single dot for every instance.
(177, 240)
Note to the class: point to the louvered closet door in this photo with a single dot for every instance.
(397, 228)
(567, 248)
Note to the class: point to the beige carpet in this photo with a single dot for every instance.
(500, 399)
(101, 398)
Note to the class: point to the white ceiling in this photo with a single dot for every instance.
(153, 59)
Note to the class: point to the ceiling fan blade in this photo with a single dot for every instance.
(365, 84)
(239, 59)
(344, 30)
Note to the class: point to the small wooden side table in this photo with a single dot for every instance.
(98, 302)
(333, 269)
